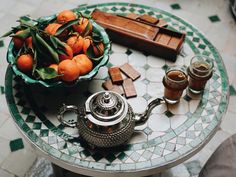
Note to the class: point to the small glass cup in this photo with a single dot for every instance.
(199, 72)
(174, 81)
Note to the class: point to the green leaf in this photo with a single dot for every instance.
(56, 42)
(100, 49)
(87, 29)
(53, 41)
(47, 19)
(18, 54)
(90, 53)
(96, 38)
(7, 33)
(35, 61)
(65, 26)
(27, 23)
(58, 45)
(23, 35)
(37, 47)
(62, 52)
(47, 73)
(48, 48)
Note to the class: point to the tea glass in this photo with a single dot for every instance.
(174, 81)
(199, 71)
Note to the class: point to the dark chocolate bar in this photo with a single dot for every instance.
(115, 75)
(141, 35)
(107, 85)
(129, 88)
(129, 71)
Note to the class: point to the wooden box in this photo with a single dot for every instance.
(140, 35)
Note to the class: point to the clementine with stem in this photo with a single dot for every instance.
(66, 16)
(68, 70)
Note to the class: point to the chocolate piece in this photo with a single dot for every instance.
(128, 70)
(164, 39)
(117, 89)
(173, 43)
(129, 88)
(107, 85)
(115, 75)
(145, 19)
(132, 16)
(141, 35)
(162, 23)
(148, 19)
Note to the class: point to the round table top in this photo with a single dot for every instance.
(172, 134)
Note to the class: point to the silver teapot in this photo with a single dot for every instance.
(106, 119)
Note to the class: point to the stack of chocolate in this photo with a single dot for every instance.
(117, 79)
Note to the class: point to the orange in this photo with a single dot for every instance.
(69, 70)
(98, 49)
(84, 63)
(25, 62)
(54, 66)
(69, 52)
(52, 28)
(65, 16)
(28, 42)
(86, 45)
(76, 43)
(81, 26)
(18, 42)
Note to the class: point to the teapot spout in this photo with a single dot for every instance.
(141, 118)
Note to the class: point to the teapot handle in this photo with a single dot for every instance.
(65, 108)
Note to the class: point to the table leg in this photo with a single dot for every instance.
(61, 172)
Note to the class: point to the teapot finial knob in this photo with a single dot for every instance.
(106, 97)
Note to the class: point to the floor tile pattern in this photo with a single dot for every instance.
(205, 10)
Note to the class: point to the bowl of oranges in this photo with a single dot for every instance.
(57, 50)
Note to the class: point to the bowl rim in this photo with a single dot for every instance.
(29, 80)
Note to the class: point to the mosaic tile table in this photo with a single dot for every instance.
(172, 134)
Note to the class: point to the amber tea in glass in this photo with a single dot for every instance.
(199, 71)
(175, 81)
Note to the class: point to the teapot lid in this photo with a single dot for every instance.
(106, 108)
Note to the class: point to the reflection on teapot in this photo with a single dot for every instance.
(106, 120)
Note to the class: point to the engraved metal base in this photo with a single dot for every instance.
(106, 139)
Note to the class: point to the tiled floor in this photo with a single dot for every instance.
(213, 18)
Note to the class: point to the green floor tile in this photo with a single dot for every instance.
(175, 6)
(128, 52)
(201, 46)
(1, 43)
(232, 90)
(16, 144)
(164, 67)
(214, 18)
(111, 157)
(169, 114)
(2, 90)
(187, 98)
(44, 133)
(37, 125)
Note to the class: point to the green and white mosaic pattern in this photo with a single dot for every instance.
(171, 134)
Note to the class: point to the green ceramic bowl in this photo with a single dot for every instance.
(52, 83)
